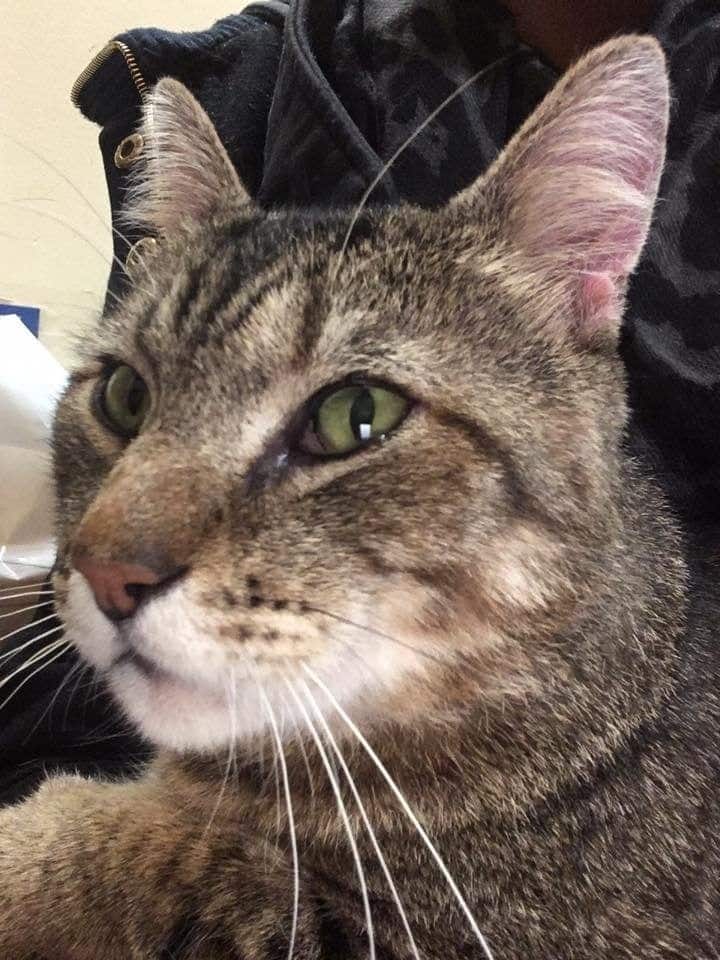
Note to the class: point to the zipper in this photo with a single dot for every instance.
(114, 46)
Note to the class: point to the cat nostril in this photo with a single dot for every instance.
(120, 587)
(138, 591)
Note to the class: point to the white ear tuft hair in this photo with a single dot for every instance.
(574, 189)
(184, 174)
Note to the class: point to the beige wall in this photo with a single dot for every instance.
(44, 261)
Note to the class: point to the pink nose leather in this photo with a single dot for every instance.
(115, 584)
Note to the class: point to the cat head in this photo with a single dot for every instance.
(369, 451)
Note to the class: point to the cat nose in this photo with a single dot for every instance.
(119, 587)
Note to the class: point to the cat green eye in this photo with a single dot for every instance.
(351, 417)
(125, 401)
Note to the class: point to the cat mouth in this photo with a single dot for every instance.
(156, 675)
(146, 667)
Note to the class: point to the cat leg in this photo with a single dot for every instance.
(130, 870)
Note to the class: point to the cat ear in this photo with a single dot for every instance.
(574, 190)
(184, 174)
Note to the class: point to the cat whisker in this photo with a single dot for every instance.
(70, 183)
(84, 668)
(47, 712)
(403, 147)
(110, 723)
(11, 653)
(311, 608)
(49, 647)
(278, 798)
(342, 810)
(94, 692)
(374, 632)
(355, 650)
(35, 606)
(109, 729)
(272, 773)
(31, 199)
(6, 601)
(291, 818)
(261, 758)
(63, 223)
(462, 903)
(59, 653)
(233, 735)
(306, 761)
(93, 695)
(228, 765)
(26, 591)
(111, 293)
(363, 813)
(93, 311)
(81, 236)
(104, 738)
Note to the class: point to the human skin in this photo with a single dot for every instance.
(564, 29)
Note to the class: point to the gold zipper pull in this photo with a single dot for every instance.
(114, 46)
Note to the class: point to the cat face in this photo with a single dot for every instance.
(379, 449)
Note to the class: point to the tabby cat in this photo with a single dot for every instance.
(348, 524)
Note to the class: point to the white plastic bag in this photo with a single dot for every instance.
(31, 381)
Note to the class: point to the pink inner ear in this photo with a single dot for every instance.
(600, 304)
(580, 179)
(585, 195)
(619, 250)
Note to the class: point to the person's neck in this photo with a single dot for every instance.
(564, 29)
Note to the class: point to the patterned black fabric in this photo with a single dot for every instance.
(311, 98)
(356, 79)
(672, 327)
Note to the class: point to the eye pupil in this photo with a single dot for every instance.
(362, 415)
(351, 417)
(124, 401)
(136, 396)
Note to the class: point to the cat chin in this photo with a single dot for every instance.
(174, 714)
(180, 716)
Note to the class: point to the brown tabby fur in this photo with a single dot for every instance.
(556, 734)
